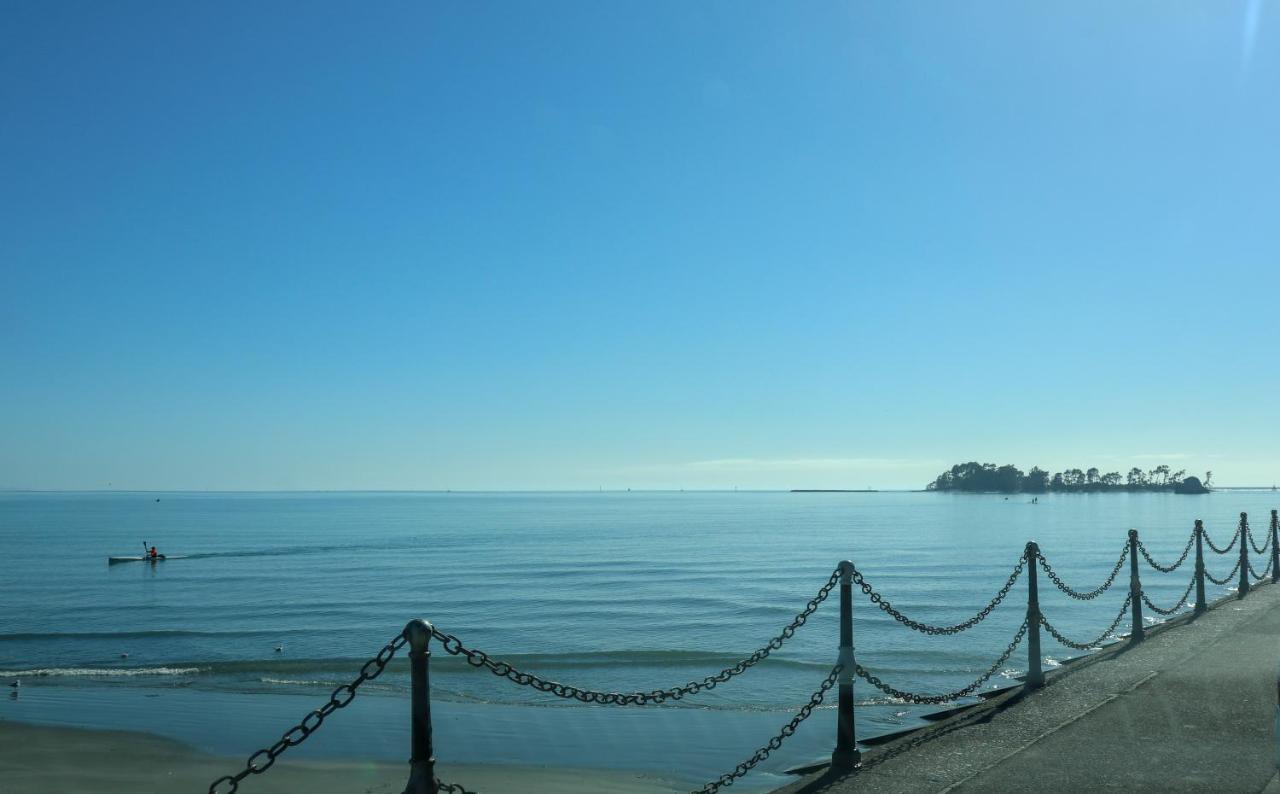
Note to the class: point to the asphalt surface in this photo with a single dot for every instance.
(1190, 709)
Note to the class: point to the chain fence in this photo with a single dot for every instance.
(1257, 577)
(1088, 646)
(924, 628)
(262, 760)
(912, 697)
(1078, 594)
(1169, 568)
(1230, 545)
(1226, 579)
(1177, 607)
(746, 766)
(478, 658)
(1266, 544)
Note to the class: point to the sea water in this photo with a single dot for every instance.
(271, 600)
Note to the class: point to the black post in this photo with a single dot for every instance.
(1200, 604)
(1275, 553)
(422, 764)
(1137, 633)
(1243, 589)
(846, 755)
(1035, 674)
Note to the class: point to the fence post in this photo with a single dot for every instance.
(422, 764)
(1137, 633)
(846, 755)
(1200, 605)
(1275, 553)
(1243, 589)
(1035, 674)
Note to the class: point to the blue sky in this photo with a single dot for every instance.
(580, 245)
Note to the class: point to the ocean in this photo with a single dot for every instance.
(269, 600)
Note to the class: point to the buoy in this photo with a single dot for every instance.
(124, 656)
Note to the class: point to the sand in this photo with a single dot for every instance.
(36, 758)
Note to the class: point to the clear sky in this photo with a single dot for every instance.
(647, 244)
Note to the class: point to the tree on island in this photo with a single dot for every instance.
(974, 477)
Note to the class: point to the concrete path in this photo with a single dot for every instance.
(1190, 709)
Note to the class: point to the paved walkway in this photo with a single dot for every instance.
(1190, 709)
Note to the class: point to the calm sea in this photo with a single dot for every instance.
(613, 591)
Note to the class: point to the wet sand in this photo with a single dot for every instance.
(36, 759)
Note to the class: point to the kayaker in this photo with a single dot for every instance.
(152, 553)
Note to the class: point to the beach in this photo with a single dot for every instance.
(273, 600)
(35, 759)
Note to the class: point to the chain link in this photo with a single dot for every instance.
(1088, 646)
(452, 788)
(912, 697)
(1257, 577)
(1230, 545)
(262, 760)
(1092, 594)
(477, 658)
(1169, 568)
(1265, 545)
(1226, 579)
(925, 628)
(1182, 599)
(815, 700)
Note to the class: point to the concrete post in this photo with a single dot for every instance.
(1200, 604)
(1243, 589)
(1275, 552)
(422, 762)
(846, 755)
(1035, 674)
(1137, 633)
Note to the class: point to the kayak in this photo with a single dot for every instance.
(114, 560)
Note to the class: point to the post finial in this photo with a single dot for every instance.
(418, 632)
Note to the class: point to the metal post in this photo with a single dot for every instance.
(1035, 674)
(1275, 552)
(1200, 604)
(1137, 633)
(846, 755)
(422, 763)
(1243, 589)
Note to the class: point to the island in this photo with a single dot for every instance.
(974, 477)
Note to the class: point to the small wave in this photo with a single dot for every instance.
(100, 672)
(297, 682)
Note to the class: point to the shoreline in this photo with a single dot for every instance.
(39, 758)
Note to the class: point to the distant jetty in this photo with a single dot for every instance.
(834, 490)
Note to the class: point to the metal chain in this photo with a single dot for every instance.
(1226, 579)
(1169, 568)
(912, 697)
(262, 760)
(452, 788)
(1265, 545)
(1092, 594)
(1257, 577)
(815, 700)
(1182, 599)
(925, 628)
(1230, 545)
(1088, 646)
(477, 658)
